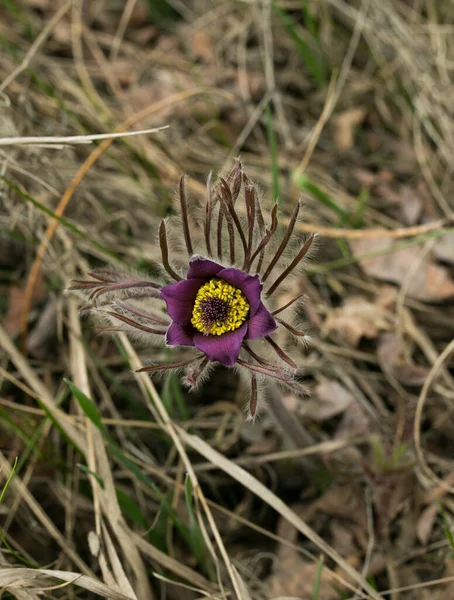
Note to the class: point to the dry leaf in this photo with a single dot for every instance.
(293, 576)
(411, 205)
(330, 398)
(390, 493)
(16, 303)
(35, 578)
(357, 318)
(444, 248)
(392, 356)
(426, 522)
(406, 200)
(429, 282)
(344, 126)
(296, 579)
(201, 45)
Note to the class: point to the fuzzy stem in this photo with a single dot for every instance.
(282, 308)
(136, 324)
(231, 214)
(208, 216)
(286, 272)
(265, 240)
(184, 216)
(284, 242)
(165, 252)
(282, 355)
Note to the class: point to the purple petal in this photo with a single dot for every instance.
(249, 284)
(260, 324)
(179, 336)
(222, 348)
(202, 267)
(180, 299)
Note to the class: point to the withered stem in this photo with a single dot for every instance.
(136, 324)
(143, 314)
(284, 242)
(293, 330)
(253, 399)
(164, 367)
(184, 215)
(279, 310)
(208, 216)
(286, 272)
(165, 252)
(288, 381)
(227, 198)
(282, 355)
(265, 240)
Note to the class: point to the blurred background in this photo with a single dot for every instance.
(347, 105)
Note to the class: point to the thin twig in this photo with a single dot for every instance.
(74, 139)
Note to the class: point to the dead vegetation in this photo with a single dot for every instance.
(113, 488)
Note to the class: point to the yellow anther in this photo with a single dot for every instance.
(219, 307)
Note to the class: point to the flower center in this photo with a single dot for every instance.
(219, 307)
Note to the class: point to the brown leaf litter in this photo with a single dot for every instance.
(357, 318)
(424, 279)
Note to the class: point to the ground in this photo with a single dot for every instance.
(117, 485)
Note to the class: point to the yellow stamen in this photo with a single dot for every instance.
(219, 307)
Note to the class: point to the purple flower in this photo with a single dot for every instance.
(219, 327)
(223, 310)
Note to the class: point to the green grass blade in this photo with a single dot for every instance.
(61, 220)
(446, 525)
(304, 183)
(88, 471)
(8, 481)
(130, 509)
(313, 61)
(318, 579)
(86, 404)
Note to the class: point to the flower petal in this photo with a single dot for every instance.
(223, 348)
(260, 324)
(249, 284)
(177, 335)
(202, 267)
(180, 298)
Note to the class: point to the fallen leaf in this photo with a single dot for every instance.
(406, 200)
(41, 339)
(391, 491)
(411, 205)
(444, 248)
(369, 178)
(387, 296)
(343, 538)
(292, 576)
(16, 303)
(426, 522)
(429, 282)
(329, 399)
(355, 422)
(344, 126)
(392, 355)
(201, 45)
(357, 318)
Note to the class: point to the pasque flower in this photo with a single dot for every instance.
(220, 305)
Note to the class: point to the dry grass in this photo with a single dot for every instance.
(126, 490)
